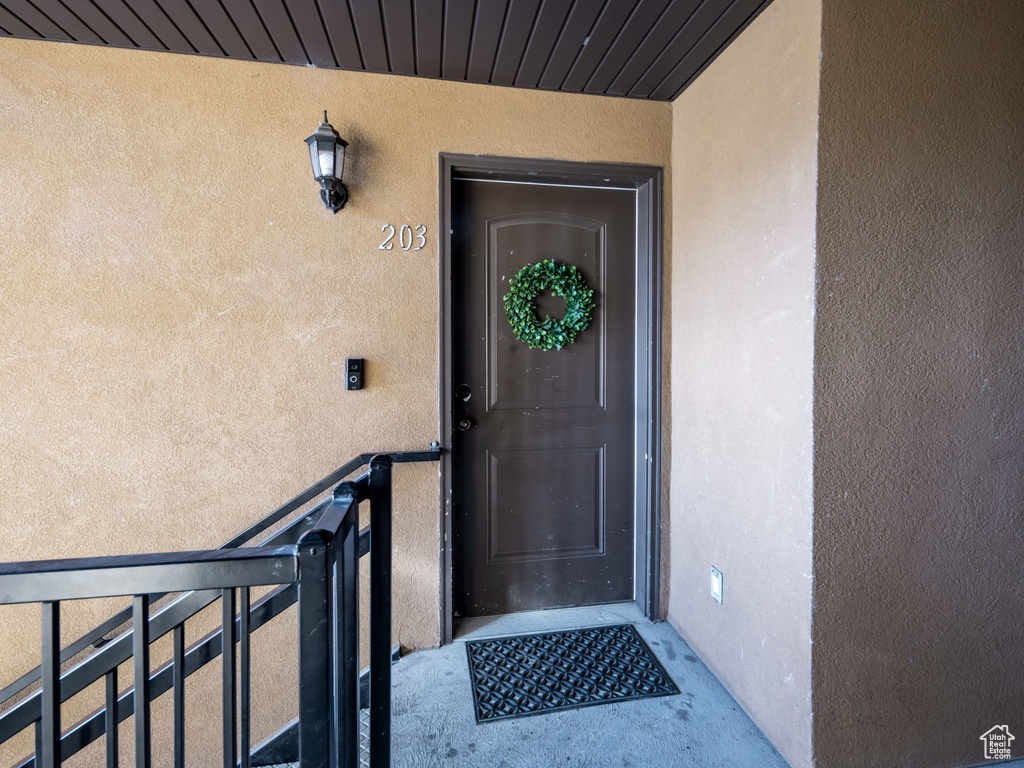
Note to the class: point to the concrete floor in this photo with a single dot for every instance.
(433, 723)
(702, 727)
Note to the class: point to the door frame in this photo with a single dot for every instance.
(648, 182)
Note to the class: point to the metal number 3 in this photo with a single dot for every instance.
(407, 236)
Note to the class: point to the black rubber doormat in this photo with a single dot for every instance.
(536, 674)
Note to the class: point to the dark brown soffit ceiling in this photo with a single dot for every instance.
(646, 49)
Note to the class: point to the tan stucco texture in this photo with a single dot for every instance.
(744, 170)
(177, 304)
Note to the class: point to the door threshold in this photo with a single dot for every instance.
(551, 620)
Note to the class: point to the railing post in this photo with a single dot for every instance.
(314, 651)
(245, 676)
(140, 651)
(50, 757)
(380, 612)
(178, 684)
(229, 689)
(346, 628)
(110, 720)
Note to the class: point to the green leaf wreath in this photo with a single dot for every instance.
(562, 280)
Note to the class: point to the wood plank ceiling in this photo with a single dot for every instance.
(647, 49)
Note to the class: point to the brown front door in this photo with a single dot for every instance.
(543, 456)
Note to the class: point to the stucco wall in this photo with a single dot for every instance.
(177, 304)
(744, 165)
(919, 416)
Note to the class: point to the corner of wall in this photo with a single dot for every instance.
(744, 169)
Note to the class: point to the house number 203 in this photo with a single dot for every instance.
(409, 238)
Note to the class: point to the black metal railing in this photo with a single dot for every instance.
(312, 560)
(97, 636)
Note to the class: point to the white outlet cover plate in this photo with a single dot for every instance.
(716, 584)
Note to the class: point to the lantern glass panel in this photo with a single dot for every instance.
(325, 159)
(339, 159)
(313, 158)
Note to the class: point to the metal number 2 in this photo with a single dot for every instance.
(386, 245)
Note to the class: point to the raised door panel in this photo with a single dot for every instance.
(512, 242)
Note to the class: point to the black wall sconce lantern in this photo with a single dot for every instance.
(327, 154)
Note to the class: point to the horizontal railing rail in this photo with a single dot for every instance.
(290, 535)
(313, 561)
(40, 581)
(399, 457)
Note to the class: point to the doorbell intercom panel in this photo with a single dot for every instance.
(353, 373)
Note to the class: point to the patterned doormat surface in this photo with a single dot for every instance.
(536, 674)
